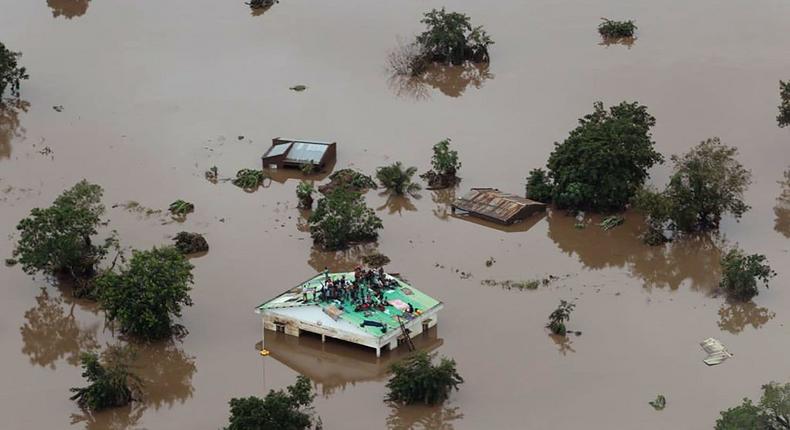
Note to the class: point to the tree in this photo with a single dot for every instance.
(740, 273)
(10, 72)
(744, 416)
(450, 38)
(772, 413)
(418, 380)
(539, 186)
(558, 317)
(397, 179)
(304, 192)
(605, 160)
(610, 29)
(784, 108)
(445, 165)
(342, 217)
(146, 296)
(111, 383)
(282, 410)
(190, 243)
(58, 240)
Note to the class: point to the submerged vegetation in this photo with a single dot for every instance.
(397, 179)
(444, 166)
(559, 316)
(190, 243)
(304, 192)
(375, 260)
(284, 410)
(772, 413)
(417, 380)
(784, 108)
(610, 29)
(351, 179)
(180, 208)
(111, 383)
(342, 218)
(707, 182)
(11, 73)
(740, 273)
(602, 163)
(249, 179)
(145, 297)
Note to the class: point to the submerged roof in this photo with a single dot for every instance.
(496, 205)
(299, 151)
(292, 302)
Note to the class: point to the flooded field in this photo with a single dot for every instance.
(151, 94)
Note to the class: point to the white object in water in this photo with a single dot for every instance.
(716, 351)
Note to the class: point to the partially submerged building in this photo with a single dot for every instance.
(405, 313)
(494, 205)
(299, 153)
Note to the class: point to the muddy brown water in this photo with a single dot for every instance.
(155, 93)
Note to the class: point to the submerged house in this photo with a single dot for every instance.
(494, 205)
(299, 153)
(404, 313)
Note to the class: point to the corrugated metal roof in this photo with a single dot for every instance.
(277, 150)
(304, 152)
(492, 203)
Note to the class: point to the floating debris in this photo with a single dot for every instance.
(515, 285)
(135, 207)
(298, 88)
(611, 222)
(10, 262)
(659, 403)
(490, 262)
(212, 174)
(717, 353)
(190, 243)
(58, 108)
(376, 260)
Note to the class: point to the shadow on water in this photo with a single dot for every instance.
(782, 208)
(335, 364)
(443, 198)
(10, 127)
(451, 80)
(340, 261)
(692, 260)
(68, 8)
(564, 343)
(517, 227)
(397, 204)
(736, 316)
(51, 332)
(423, 417)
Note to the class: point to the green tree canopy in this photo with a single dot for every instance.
(605, 160)
(111, 383)
(772, 413)
(148, 294)
(784, 108)
(59, 239)
(281, 410)
(10, 72)
(341, 218)
(740, 273)
(418, 380)
(449, 37)
(397, 179)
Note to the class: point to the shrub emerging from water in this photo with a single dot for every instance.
(284, 410)
(59, 240)
(539, 186)
(559, 316)
(148, 294)
(445, 165)
(341, 218)
(610, 29)
(418, 380)
(11, 73)
(351, 179)
(111, 383)
(772, 413)
(707, 183)
(190, 243)
(740, 273)
(180, 208)
(249, 179)
(604, 161)
(397, 179)
(304, 192)
(376, 260)
(784, 108)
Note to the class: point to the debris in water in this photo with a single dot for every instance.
(376, 260)
(716, 351)
(241, 137)
(45, 151)
(490, 262)
(58, 108)
(135, 207)
(611, 222)
(514, 285)
(212, 174)
(10, 262)
(179, 209)
(659, 403)
(298, 88)
(190, 243)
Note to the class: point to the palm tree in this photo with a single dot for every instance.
(396, 179)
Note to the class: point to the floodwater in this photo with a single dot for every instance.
(154, 93)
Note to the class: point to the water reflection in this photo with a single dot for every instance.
(122, 418)
(782, 208)
(51, 333)
(735, 316)
(691, 260)
(625, 41)
(340, 261)
(423, 417)
(286, 173)
(397, 204)
(564, 343)
(443, 198)
(517, 227)
(68, 8)
(10, 127)
(451, 80)
(334, 364)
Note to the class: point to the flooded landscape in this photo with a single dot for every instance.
(143, 97)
